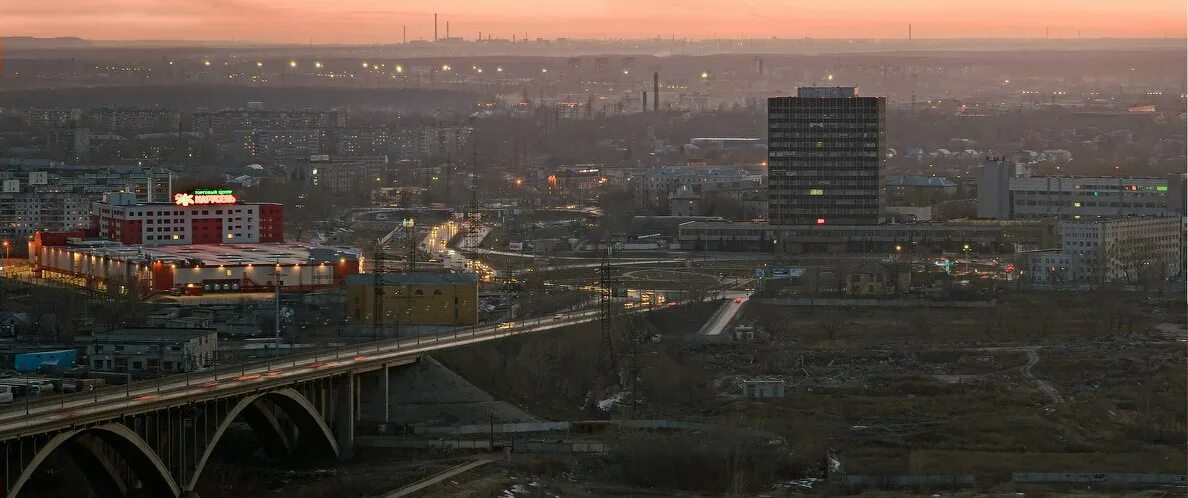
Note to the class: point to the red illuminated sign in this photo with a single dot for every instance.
(820, 221)
(204, 196)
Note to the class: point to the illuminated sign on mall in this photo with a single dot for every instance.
(204, 196)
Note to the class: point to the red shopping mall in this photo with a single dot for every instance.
(205, 241)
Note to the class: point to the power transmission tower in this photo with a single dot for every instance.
(607, 284)
(474, 177)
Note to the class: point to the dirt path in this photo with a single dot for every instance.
(1032, 358)
(1044, 386)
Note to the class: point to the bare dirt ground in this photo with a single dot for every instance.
(1042, 382)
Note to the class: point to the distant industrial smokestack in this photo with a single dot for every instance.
(656, 92)
(434, 27)
(447, 30)
(645, 101)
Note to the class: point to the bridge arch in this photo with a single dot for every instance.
(314, 436)
(131, 447)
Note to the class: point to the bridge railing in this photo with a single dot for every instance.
(132, 390)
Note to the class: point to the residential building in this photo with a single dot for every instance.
(72, 145)
(230, 120)
(415, 298)
(365, 142)
(39, 118)
(152, 350)
(278, 144)
(60, 198)
(826, 152)
(342, 174)
(1125, 250)
(133, 119)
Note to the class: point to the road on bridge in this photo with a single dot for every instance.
(18, 418)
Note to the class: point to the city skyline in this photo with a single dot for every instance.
(361, 22)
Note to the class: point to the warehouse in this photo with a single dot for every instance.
(192, 269)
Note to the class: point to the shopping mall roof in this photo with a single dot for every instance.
(220, 254)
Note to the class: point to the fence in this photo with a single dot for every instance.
(908, 481)
(875, 303)
(484, 445)
(1098, 477)
(590, 426)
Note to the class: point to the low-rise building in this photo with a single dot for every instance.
(152, 350)
(190, 269)
(1002, 195)
(760, 389)
(875, 278)
(415, 298)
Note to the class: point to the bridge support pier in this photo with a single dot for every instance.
(344, 414)
(384, 374)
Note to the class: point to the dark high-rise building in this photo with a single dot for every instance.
(826, 150)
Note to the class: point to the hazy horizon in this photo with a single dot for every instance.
(351, 22)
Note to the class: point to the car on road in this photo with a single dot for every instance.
(505, 326)
(737, 300)
(558, 316)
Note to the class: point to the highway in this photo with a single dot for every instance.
(46, 414)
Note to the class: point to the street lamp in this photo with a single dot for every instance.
(5, 244)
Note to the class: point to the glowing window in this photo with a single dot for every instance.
(817, 191)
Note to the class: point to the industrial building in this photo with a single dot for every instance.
(826, 151)
(415, 298)
(152, 350)
(1004, 195)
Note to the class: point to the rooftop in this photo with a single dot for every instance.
(415, 278)
(152, 334)
(919, 181)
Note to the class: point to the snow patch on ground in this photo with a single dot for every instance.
(608, 403)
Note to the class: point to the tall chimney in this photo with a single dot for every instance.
(645, 101)
(656, 92)
(434, 27)
(447, 30)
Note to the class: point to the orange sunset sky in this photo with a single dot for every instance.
(380, 21)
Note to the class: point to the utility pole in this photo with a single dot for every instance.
(276, 299)
(409, 225)
(377, 291)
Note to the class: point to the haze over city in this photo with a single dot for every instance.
(369, 22)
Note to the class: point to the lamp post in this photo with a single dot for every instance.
(2, 262)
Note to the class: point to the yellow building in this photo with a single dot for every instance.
(417, 298)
